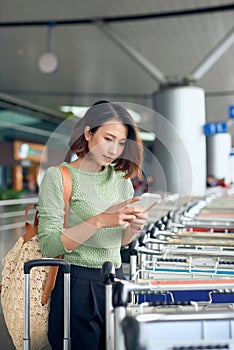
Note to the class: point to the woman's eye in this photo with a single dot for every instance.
(108, 139)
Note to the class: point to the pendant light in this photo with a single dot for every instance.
(48, 62)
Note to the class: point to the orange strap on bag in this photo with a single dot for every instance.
(32, 230)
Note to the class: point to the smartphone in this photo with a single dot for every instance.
(147, 201)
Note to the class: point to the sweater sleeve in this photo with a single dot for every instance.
(51, 214)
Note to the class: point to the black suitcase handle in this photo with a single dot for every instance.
(47, 262)
(66, 269)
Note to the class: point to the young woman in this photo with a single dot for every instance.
(110, 152)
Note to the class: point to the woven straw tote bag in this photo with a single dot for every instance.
(42, 280)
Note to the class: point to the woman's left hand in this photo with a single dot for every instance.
(137, 224)
(134, 228)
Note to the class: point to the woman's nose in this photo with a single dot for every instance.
(113, 148)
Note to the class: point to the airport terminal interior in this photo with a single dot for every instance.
(170, 65)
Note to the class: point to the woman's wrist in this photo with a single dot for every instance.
(95, 221)
(129, 234)
(134, 229)
(131, 228)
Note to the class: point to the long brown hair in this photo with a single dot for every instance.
(131, 159)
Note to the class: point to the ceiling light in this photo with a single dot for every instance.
(78, 111)
(147, 136)
(75, 110)
(48, 62)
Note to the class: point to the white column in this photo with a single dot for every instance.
(181, 145)
(218, 155)
(231, 168)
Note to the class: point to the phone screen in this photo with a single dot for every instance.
(147, 201)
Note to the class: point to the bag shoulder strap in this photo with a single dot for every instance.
(67, 190)
(30, 229)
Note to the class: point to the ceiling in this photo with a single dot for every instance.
(118, 50)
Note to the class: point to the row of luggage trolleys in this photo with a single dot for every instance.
(181, 281)
(180, 292)
(135, 325)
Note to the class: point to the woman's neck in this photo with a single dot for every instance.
(87, 164)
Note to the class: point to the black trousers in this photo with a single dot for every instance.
(87, 310)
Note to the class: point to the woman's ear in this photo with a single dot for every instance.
(87, 133)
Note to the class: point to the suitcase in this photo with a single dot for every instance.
(66, 269)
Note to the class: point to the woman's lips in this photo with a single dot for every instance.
(108, 159)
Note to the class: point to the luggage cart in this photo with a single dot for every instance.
(224, 329)
(158, 244)
(169, 267)
(214, 212)
(119, 305)
(66, 269)
(184, 331)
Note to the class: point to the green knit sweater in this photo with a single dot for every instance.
(92, 193)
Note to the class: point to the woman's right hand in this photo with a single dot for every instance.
(116, 215)
(119, 214)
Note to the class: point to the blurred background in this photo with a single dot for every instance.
(159, 58)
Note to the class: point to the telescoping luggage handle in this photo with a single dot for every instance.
(67, 270)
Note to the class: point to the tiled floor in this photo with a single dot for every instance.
(6, 343)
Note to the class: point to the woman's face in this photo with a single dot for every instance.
(107, 143)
